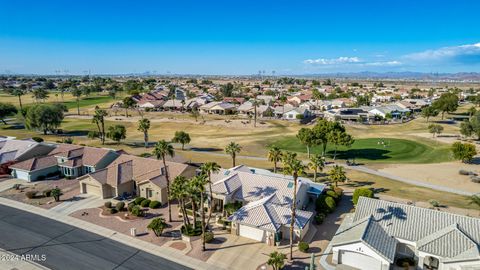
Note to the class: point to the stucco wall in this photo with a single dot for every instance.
(158, 193)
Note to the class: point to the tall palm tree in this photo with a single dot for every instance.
(207, 169)
(77, 92)
(316, 164)
(99, 119)
(337, 174)
(162, 150)
(274, 155)
(144, 126)
(233, 149)
(294, 167)
(19, 92)
(200, 181)
(179, 191)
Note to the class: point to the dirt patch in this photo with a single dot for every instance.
(178, 245)
(70, 189)
(442, 174)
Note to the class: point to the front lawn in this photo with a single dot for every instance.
(382, 150)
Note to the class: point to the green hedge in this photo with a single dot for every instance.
(303, 246)
(139, 200)
(155, 204)
(145, 203)
(361, 192)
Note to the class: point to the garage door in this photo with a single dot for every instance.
(252, 233)
(359, 261)
(21, 175)
(91, 189)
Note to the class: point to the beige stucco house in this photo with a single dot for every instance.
(132, 175)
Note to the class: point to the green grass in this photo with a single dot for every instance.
(372, 150)
(88, 101)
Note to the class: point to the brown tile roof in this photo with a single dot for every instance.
(90, 156)
(37, 163)
(129, 167)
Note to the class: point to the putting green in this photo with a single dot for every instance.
(381, 150)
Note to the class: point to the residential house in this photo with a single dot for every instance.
(380, 232)
(66, 159)
(393, 110)
(132, 175)
(12, 150)
(266, 200)
(297, 113)
(347, 114)
(218, 107)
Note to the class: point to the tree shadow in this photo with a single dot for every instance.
(367, 153)
(353, 183)
(205, 149)
(392, 212)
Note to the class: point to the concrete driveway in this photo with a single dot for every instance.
(79, 202)
(8, 184)
(240, 253)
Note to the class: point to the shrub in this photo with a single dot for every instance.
(434, 203)
(190, 231)
(361, 192)
(332, 194)
(338, 191)
(299, 116)
(230, 208)
(145, 203)
(112, 210)
(30, 194)
(145, 155)
(119, 206)
(138, 200)
(56, 193)
(464, 172)
(47, 192)
(137, 211)
(108, 204)
(320, 218)
(209, 236)
(37, 139)
(320, 205)
(330, 202)
(155, 204)
(303, 246)
(475, 179)
(130, 206)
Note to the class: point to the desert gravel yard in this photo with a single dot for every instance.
(70, 189)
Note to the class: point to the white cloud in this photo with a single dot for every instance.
(333, 61)
(383, 63)
(447, 53)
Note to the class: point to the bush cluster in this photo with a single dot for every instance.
(155, 204)
(139, 200)
(303, 247)
(209, 236)
(108, 204)
(145, 203)
(361, 192)
(119, 206)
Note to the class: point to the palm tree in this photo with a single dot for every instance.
(162, 150)
(40, 94)
(294, 167)
(233, 149)
(276, 260)
(207, 169)
(157, 225)
(19, 92)
(475, 199)
(144, 126)
(179, 191)
(99, 119)
(316, 164)
(337, 174)
(76, 92)
(200, 181)
(128, 102)
(274, 155)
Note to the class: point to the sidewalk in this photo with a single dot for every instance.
(161, 251)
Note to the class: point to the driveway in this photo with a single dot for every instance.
(8, 184)
(240, 253)
(79, 202)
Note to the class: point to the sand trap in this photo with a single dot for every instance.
(442, 174)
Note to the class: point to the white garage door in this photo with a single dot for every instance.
(252, 233)
(91, 189)
(21, 175)
(359, 261)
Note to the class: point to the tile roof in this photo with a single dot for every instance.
(450, 236)
(244, 185)
(267, 214)
(13, 149)
(89, 156)
(36, 163)
(370, 233)
(129, 167)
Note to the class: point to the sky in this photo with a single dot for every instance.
(232, 37)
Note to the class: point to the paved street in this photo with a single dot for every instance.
(68, 247)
